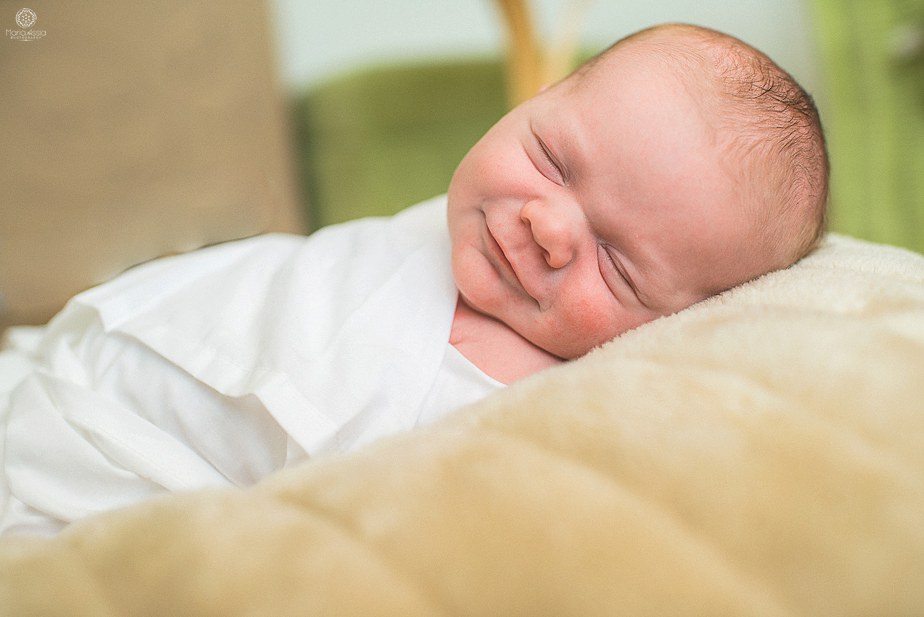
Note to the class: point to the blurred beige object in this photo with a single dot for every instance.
(531, 63)
(131, 131)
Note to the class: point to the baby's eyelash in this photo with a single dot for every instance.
(603, 248)
(639, 295)
(625, 277)
(548, 156)
(614, 264)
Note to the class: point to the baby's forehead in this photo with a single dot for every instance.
(662, 51)
(647, 68)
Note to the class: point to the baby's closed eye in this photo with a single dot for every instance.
(615, 274)
(543, 162)
(549, 161)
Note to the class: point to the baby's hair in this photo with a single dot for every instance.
(769, 127)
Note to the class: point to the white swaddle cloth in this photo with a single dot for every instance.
(220, 366)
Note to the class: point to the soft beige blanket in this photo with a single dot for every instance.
(761, 453)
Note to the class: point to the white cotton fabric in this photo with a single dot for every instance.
(218, 367)
(458, 383)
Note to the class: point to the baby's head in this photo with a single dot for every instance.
(676, 164)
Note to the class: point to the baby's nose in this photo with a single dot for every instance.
(552, 230)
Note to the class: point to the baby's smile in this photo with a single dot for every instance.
(517, 254)
(499, 259)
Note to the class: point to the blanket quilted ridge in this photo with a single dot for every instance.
(757, 454)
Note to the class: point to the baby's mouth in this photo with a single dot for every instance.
(501, 262)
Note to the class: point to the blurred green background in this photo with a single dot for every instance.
(380, 139)
(377, 138)
(873, 65)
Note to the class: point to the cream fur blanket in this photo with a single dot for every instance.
(761, 453)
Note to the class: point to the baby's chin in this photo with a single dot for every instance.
(566, 350)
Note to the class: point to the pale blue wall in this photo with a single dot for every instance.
(318, 38)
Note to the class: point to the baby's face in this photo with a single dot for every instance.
(598, 205)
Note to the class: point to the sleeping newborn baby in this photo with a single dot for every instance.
(675, 165)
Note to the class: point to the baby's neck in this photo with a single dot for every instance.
(494, 347)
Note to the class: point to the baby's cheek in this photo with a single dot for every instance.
(476, 279)
(592, 322)
(465, 273)
(501, 172)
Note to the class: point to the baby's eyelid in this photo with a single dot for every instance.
(604, 249)
(548, 156)
(622, 273)
(550, 159)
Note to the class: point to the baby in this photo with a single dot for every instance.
(676, 164)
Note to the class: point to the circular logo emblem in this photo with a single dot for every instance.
(26, 18)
